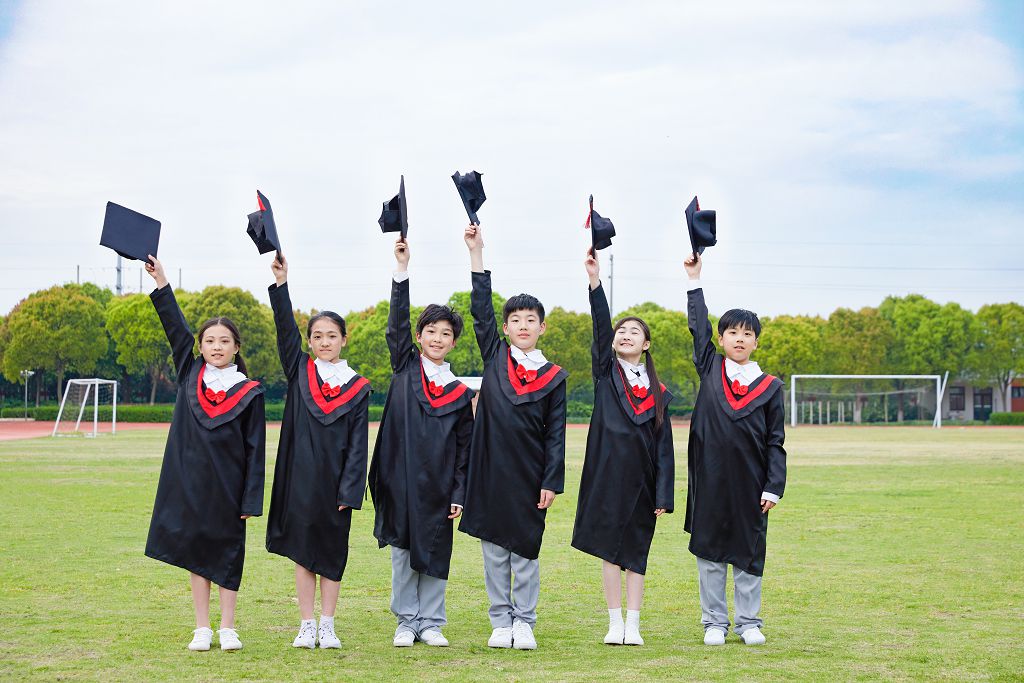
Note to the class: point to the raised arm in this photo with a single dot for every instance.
(353, 474)
(289, 341)
(175, 327)
(697, 318)
(255, 426)
(399, 331)
(601, 354)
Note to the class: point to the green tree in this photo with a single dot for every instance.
(465, 357)
(791, 345)
(58, 329)
(367, 347)
(998, 356)
(139, 338)
(857, 342)
(567, 343)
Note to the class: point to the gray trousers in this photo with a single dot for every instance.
(417, 600)
(510, 600)
(713, 606)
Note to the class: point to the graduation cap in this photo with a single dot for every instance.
(395, 216)
(701, 226)
(262, 228)
(601, 229)
(129, 233)
(471, 189)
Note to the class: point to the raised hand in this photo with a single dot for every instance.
(402, 253)
(279, 267)
(156, 270)
(474, 237)
(692, 265)
(593, 267)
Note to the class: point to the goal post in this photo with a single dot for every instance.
(936, 380)
(85, 398)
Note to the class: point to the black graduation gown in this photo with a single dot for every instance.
(321, 456)
(735, 453)
(518, 440)
(419, 460)
(629, 468)
(212, 471)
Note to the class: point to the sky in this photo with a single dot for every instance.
(851, 150)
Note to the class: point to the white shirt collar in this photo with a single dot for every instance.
(438, 374)
(335, 374)
(222, 379)
(636, 375)
(744, 373)
(534, 360)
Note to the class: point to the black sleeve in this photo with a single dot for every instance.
(482, 308)
(289, 341)
(665, 467)
(255, 433)
(700, 327)
(554, 441)
(176, 329)
(353, 474)
(776, 419)
(463, 436)
(399, 331)
(601, 354)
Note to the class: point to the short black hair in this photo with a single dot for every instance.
(435, 313)
(523, 302)
(329, 315)
(739, 318)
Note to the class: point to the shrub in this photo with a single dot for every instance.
(1007, 419)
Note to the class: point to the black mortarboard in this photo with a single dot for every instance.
(129, 233)
(395, 216)
(601, 229)
(471, 189)
(262, 228)
(701, 226)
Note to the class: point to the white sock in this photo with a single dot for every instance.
(633, 616)
(307, 623)
(615, 616)
(326, 621)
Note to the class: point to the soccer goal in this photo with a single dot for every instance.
(97, 396)
(866, 399)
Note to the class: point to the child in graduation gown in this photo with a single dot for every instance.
(321, 459)
(736, 465)
(517, 458)
(629, 469)
(418, 472)
(211, 479)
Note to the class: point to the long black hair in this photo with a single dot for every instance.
(326, 315)
(652, 374)
(233, 329)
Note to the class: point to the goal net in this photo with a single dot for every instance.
(865, 399)
(89, 406)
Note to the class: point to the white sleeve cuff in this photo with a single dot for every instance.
(692, 285)
(456, 505)
(770, 496)
(401, 276)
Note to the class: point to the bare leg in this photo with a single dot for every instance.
(634, 590)
(228, 599)
(305, 589)
(328, 596)
(200, 599)
(611, 574)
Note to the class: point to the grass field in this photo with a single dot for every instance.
(896, 554)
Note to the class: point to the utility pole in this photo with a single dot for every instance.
(179, 278)
(118, 288)
(25, 375)
(78, 274)
(611, 284)
(140, 280)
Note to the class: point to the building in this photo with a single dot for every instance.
(964, 402)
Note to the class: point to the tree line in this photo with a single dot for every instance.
(83, 331)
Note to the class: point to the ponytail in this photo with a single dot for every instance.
(241, 363)
(659, 396)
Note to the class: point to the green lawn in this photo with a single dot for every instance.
(896, 554)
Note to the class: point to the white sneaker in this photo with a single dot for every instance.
(753, 636)
(404, 638)
(632, 635)
(616, 632)
(522, 636)
(714, 636)
(201, 639)
(307, 635)
(229, 639)
(500, 637)
(327, 638)
(433, 636)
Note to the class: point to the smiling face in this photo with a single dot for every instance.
(524, 328)
(738, 343)
(436, 339)
(326, 339)
(630, 341)
(218, 346)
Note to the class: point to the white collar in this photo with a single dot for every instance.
(438, 374)
(335, 374)
(636, 375)
(534, 360)
(744, 373)
(222, 379)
